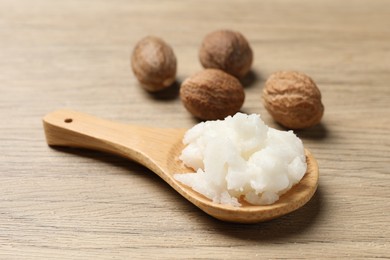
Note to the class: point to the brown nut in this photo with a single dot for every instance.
(293, 99)
(212, 94)
(228, 51)
(154, 63)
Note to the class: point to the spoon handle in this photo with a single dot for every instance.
(148, 146)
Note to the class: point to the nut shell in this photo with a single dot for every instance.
(154, 63)
(212, 94)
(293, 99)
(228, 51)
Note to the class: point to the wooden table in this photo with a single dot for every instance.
(78, 204)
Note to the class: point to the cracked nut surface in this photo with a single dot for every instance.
(228, 51)
(212, 94)
(293, 99)
(154, 63)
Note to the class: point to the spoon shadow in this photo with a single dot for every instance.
(114, 160)
(132, 168)
(294, 223)
(290, 225)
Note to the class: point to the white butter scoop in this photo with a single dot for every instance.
(159, 149)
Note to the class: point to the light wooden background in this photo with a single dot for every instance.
(77, 204)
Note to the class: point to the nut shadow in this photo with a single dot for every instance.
(317, 132)
(251, 79)
(167, 94)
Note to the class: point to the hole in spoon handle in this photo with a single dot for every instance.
(146, 145)
(75, 129)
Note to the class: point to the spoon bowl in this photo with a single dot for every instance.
(158, 149)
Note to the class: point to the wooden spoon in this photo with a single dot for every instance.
(158, 149)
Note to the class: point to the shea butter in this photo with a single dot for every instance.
(241, 159)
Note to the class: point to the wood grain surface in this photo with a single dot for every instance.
(78, 204)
